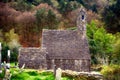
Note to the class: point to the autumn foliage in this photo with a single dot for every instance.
(28, 24)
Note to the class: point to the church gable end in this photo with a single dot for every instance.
(68, 49)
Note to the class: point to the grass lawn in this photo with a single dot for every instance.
(2, 75)
(30, 74)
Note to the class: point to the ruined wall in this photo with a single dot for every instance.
(32, 58)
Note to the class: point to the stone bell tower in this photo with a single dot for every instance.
(81, 22)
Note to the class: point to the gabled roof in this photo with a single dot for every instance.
(64, 44)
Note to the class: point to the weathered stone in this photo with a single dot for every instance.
(32, 58)
(76, 75)
(58, 74)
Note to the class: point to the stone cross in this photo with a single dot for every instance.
(58, 74)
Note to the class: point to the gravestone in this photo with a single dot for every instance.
(58, 74)
(8, 61)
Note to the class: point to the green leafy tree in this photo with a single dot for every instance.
(46, 19)
(41, 19)
(65, 6)
(51, 20)
(22, 5)
(12, 40)
(62, 6)
(104, 41)
(47, 1)
(55, 3)
(101, 43)
(36, 2)
(116, 52)
(91, 29)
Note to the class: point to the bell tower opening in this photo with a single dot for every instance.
(83, 17)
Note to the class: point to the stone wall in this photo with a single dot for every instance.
(83, 75)
(36, 58)
(69, 64)
(32, 58)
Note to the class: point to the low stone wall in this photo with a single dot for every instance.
(93, 75)
(34, 58)
(83, 75)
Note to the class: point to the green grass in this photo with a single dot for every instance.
(13, 63)
(2, 74)
(31, 74)
(28, 74)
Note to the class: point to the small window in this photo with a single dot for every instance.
(82, 17)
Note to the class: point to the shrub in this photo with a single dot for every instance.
(111, 72)
(2, 74)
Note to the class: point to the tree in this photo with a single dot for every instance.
(62, 6)
(12, 43)
(116, 52)
(47, 1)
(112, 18)
(51, 20)
(41, 19)
(22, 5)
(26, 28)
(12, 39)
(101, 43)
(81, 1)
(91, 29)
(67, 6)
(46, 19)
(7, 17)
(104, 42)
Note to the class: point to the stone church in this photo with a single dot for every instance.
(65, 49)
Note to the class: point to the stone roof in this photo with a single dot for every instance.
(65, 44)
